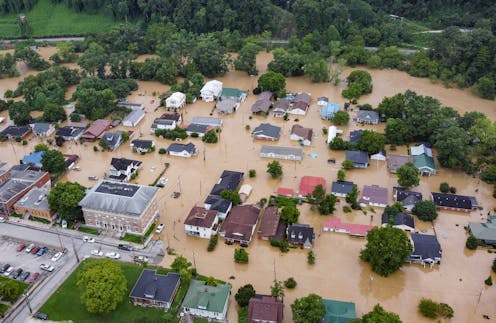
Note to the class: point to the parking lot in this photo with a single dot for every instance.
(27, 261)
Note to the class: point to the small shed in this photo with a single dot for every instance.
(176, 101)
(133, 118)
(245, 191)
(211, 90)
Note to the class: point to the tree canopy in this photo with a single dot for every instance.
(274, 168)
(65, 197)
(53, 161)
(289, 214)
(408, 175)
(425, 210)
(308, 309)
(378, 314)
(244, 294)
(273, 82)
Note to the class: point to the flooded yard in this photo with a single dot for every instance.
(338, 273)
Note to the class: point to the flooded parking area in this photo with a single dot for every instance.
(338, 273)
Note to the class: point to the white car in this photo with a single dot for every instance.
(88, 239)
(97, 253)
(8, 271)
(113, 255)
(29, 248)
(57, 256)
(47, 267)
(159, 228)
(2, 219)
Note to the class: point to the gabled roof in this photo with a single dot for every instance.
(396, 161)
(97, 128)
(40, 127)
(323, 99)
(112, 138)
(285, 191)
(302, 97)
(142, 143)
(153, 286)
(232, 92)
(171, 116)
(198, 128)
(420, 149)
(405, 196)
(33, 158)
(354, 229)
(229, 180)
(134, 116)
(338, 312)
(299, 105)
(16, 131)
(122, 164)
(226, 105)
(263, 308)
(270, 222)
(329, 109)
(286, 151)
(426, 245)
(208, 298)
(69, 131)
(300, 233)
(375, 193)
(201, 217)
(308, 184)
(209, 121)
(483, 231)
(367, 115)
(357, 156)
(189, 147)
(453, 201)
(267, 130)
(342, 187)
(281, 104)
(218, 203)
(240, 222)
(265, 95)
(399, 219)
(424, 161)
(305, 133)
(261, 105)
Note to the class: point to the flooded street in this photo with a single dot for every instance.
(338, 273)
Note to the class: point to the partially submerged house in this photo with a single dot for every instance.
(167, 121)
(122, 169)
(396, 161)
(322, 100)
(355, 136)
(309, 183)
(285, 153)
(226, 106)
(280, 108)
(201, 222)
(426, 249)
(328, 111)
(244, 192)
(233, 94)
(199, 129)
(263, 103)
(155, 290)
(133, 118)
(423, 159)
(301, 234)
(367, 117)
(359, 158)
(265, 309)
(374, 195)
(400, 220)
(210, 302)
(338, 311)
(301, 134)
(299, 103)
(113, 139)
(342, 188)
(454, 202)
(266, 131)
(69, 133)
(218, 204)
(353, 229)
(14, 132)
(211, 91)
(176, 101)
(42, 129)
(96, 130)
(240, 224)
(142, 145)
(407, 198)
(485, 232)
(379, 156)
(182, 150)
(229, 180)
(271, 225)
(209, 121)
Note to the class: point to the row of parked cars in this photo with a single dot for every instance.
(32, 248)
(9, 271)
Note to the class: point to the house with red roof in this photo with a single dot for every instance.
(283, 191)
(308, 184)
(271, 226)
(264, 308)
(353, 229)
(96, 130)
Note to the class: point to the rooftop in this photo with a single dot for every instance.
(285, 151)
(207, 298)
(453, 201)
(229, 180)
(309, 183)
(342, 187)
(124, 163)
(353, 229)
(267, 130)
(264, 308)
(426, 246)
(240, 222)
(357, 156)
(153, 286)
(303, 132)
(400, 218)
(270, 222)
(210, 121)
(36, 198)
(20, 179)
(201, 217)
(375, 194)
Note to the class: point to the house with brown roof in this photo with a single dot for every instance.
(261, 106)
(240, 224)
(374, 195)
(201, 222)
(280, 108)
(301, 134)
(96, 130)
(271, 226)
(396, 161)
(265, 309)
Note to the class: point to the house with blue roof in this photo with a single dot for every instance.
(33, 158)
(328, 111)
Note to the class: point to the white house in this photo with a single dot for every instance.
(201, 222)
(381, 155)
(133, 118)
(211, 90)
(176, 101)
(210, 302)
(301, 134)
(182, 150)
(331, 133)
(122, 169)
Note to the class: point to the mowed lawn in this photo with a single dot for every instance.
(65, 303)
(47, 19)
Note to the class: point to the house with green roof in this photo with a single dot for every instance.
(210, 302)
(425, 164)
(233, 94)
(338, 312)
(485, 232)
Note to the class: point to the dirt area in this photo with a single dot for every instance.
(338, 272)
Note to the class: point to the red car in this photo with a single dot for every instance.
(21, 247)
(33, 278)
(35, 250)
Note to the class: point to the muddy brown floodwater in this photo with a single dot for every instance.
(338, 273)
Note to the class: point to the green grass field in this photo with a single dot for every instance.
(65, 303)
(47, 19)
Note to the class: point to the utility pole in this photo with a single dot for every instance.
(62, 248)
(28, 303)
(75, 251)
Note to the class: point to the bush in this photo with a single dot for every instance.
(283, 245)
(346, 209)
(428, 308)
(472, 243)
(24, 142)
(444, 187)
(213, 242)
(489, 281)
(445, 310)
(194, 135)
(290, 283)
(210, 137)
(311, 258)
(247, 127)
(252, 173)
(240, 256)
(162, 151)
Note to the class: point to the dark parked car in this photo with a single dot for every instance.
(3, 268)
(24, 276)
(16, 273)
(42, 251)
(125, 247)
(35, 250)
(41, 316)
(33, 278)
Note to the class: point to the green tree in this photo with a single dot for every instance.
(65, 197)
(397, 132)
(286, 63)
(371, 142)
(277, 290)
(53, 161)
(94, 60)
(317, 70)
(53, 113)
(232, 196)
(240, 256)
(359, 83)
(348, 164)
(308, 309)
(444, 187)
(180, 263)
(338, 144)
(9, 290)
(95, 104)
(244, 294)
(352, 198)
(472, 242)
(246, 60)
(290, 283)
(327, 205)
(341, 118)
(289, 214)
(425, 210)
(341, 175)
(386, 250)
(378, 314)
(428, 308)
(40, 147)
(210, 137)
(486, 88)
(453, 147)
(210, 58)
(19, 113)
(392, 107)
(408, 175)
(99, 275)
(273, 82)
(318, 194)
(311, 258)
(274, 168)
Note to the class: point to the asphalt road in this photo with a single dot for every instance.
(75, 248)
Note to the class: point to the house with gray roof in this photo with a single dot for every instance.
(35, 203)
(216, 203)
(426, 249)
(210, 302)
(342, 188)
(374, 195)
(120, 208)
(142, 145)
(355, 135)
(285, 153)
(400, 220)
(69, 133)
(485, 232)
(359, 158)
(367, 117)
(396, 161)
(209, 121)
(122, 169)
(155, 290)
(301, 234)
(266, 131)
(13, 132)
(407, 198)
(226, 106)
(182, 150)
(113, 139)
(198, 129)
(454, 202)
(43, 129)
(281, 107)
(133, 118)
